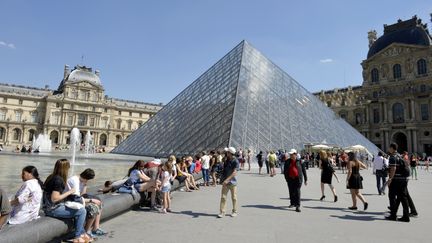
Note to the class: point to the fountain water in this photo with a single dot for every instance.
(75, 141)
(42, 143)
(88, 142)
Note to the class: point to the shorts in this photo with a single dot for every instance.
(181, 179)
(166, 188)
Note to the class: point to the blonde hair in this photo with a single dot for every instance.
(172, 158)
(61, 168)
(323, 154)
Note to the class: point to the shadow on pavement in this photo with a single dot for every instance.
(327, 208)
(357, 218)
(195, 214)
(260, 206)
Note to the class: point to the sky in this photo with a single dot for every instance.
(150, 51)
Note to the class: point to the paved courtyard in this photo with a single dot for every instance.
(265, 217)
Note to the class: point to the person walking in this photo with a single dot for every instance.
(295, 174)
(398, 184)
(380, 166)
(260, 161)
(229, 181)
(205, 160)
(413, 165)
(327, 173)
(354, 180)
(272, 159)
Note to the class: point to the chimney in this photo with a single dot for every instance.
(372, 37)
(97, 72)
(66, 71)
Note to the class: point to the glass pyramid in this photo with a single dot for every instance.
(244, 101)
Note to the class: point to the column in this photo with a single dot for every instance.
(409, 141)
(367, 115)
(414, 141)
(387, 140)
(412, 110)
(385, 112)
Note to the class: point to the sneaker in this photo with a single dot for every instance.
(163, 211)
(413, 215)
(365, 207)
(404, 219)
(99, 232)
(352, 208)
(322, 198)
(221, 215)
(234, 214)
(298, 209)
(391, 218)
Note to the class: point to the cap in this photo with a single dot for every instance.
(292, 151)
(231, 150)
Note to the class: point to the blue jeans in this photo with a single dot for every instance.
(63, 212)
(205, 173)
(380, 177)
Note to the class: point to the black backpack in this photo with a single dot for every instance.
(403, 168)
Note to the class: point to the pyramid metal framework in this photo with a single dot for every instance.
(244, 101)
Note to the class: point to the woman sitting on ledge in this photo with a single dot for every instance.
(27, 201)
(141, 182)
(55, 195)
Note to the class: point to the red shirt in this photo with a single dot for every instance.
(293, 171)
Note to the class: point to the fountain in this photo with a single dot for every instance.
(75, 141)
(88, 143)
(42, 143)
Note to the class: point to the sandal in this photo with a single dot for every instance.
(79, 240)
(87, 238)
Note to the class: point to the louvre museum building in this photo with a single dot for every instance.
(394, 101)
(79, 101)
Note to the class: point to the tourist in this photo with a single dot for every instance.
(343, 161)
(272, 159)
(205, 160)
(17, 149)
(93, 204)
(189, 180)
(354, 180)
(267, 162)
(398, 184)
(380, 167)
(55, 196)
(327, 173)
(213, 166)
(413, 165)
(240, 158)
(5, 208)
(23, 149)
(260, 161)
(295, 174)
(142, 183)
(427, 162)
(27, 201)
(249, 158)
(229, 181)
(165, 178)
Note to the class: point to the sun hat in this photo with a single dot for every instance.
(231, 150)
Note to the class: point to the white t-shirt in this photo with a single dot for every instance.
(74, 182)
(166, 174)
(205, 161)
(29, 198)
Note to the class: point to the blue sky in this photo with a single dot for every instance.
(151, 50)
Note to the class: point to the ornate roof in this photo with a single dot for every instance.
(411, 32)
(83, 73)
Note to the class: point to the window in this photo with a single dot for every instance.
(105, 110)
(20, 102)
(92, 122)
(398, 113)
(34, 117)
(31, 134)
(343, 103)
(18, 116)
(69, 120)
(2, 132)
(375, 94)
(87, 96)
(16, 134)
(358, 119)
(421, 67)
(4, 100)
(55, 118)
(130, 125)
(104, 122)
(343, 115)
(329, 103)
(424, 109)
(119, 112)
(82, 95)
(118, 139)
(140, 123)
(130, 113)
(140, 115)
(94, 109)
(82, 119)
(57, 105)
(397, 71)
(376, 116)
(422, 88)
(375, 75)
(119, 124)
(2, 115)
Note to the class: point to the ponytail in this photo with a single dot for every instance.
(34, 172)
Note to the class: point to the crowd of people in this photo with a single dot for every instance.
(65, 196)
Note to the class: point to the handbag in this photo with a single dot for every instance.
(75, 202)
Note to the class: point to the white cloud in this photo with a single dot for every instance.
(327, 60)
(9, 45)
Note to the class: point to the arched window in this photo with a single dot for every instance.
(398, 113)
(54, 136)
(397, 71)
(358, 118)
(375, 75)
(16, 134)
(103, 140)
(421, 67)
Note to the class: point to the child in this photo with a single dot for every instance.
(166, 187)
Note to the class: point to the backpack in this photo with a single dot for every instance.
(403, 169)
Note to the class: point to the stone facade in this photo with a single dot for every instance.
(393, 103)
(78, 102)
